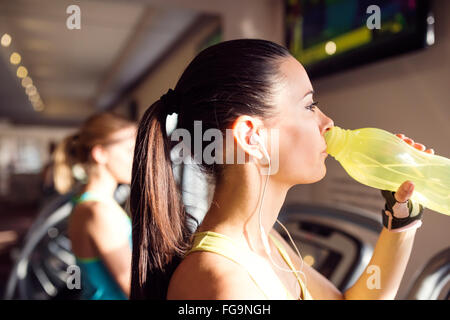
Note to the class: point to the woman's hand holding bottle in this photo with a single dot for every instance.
(401, 213)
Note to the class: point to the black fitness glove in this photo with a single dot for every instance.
(400, 213)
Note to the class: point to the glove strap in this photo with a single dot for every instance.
(400, 216)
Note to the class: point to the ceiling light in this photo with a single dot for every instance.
(38, 105)
(31, 90)
(22, 72)
(15, 58)
(34, 97)
(26, 82)
(6, 40)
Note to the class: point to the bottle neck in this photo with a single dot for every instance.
(336, 139)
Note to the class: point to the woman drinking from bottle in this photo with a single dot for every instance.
(250, 88)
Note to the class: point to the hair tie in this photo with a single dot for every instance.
(171, 101)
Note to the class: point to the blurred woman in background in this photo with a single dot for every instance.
(99, 229)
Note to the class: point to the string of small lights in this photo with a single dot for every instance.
(22, 73)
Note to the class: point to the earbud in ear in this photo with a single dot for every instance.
(256, 139)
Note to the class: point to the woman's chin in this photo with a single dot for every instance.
(321, 175)
(324, 172)
(310, 180)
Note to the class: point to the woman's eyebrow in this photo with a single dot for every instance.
(309, 92)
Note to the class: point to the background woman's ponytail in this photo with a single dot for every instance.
(74, 152)
(160, 234)
(64, 158)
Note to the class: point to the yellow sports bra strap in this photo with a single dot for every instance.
(288, 260)
(258, 269)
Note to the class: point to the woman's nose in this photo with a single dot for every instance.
(328, 124)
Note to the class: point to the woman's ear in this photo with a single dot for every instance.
(244, 127)
(99, 154)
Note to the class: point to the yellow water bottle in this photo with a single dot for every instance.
(381, 160)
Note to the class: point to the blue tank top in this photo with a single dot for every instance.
(97, 282)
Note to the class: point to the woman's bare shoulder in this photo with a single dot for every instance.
(82, 213)
(210, 276)
(89, 216)
(92, 211)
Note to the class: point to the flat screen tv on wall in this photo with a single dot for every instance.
(327, 36)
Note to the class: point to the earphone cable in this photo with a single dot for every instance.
(265, 241)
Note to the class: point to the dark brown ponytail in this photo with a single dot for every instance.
(160, 234)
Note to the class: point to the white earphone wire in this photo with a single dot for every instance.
(262, 232)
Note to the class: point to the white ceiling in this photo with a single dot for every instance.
(76, 71)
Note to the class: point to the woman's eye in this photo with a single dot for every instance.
(312, 106)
